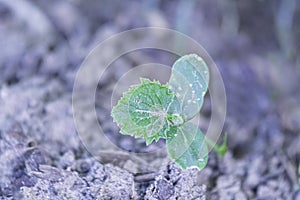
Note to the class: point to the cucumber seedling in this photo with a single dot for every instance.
(153, 111)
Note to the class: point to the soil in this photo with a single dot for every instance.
(43, 45)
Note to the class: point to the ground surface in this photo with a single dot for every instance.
(42, 47)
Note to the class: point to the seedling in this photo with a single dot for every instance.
(219, 149)
(153, 111)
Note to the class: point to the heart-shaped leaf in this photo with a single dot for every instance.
(187, 147)
(189, 80)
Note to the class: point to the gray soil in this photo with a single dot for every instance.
(41, 154)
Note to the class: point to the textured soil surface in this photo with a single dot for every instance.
(43, 44)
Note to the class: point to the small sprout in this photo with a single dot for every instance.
(175, 119)
(219, 149)
(152, 111)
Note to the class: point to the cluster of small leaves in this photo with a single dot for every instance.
(153, 111)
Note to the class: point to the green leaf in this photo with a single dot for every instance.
(162, 134)
(144, 110)
(187, 147)
(189, 80)
(219, 149)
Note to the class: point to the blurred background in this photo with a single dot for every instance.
(255, 44)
